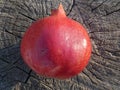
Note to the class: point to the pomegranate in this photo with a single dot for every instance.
(56, 46)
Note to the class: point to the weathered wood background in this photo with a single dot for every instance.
(100, 17)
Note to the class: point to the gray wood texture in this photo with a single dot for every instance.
(100, 17)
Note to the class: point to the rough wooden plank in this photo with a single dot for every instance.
(100, 17)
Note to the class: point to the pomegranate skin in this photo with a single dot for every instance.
(56, 46)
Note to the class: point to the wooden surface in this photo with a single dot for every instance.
(100, 17)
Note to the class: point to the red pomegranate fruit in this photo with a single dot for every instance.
(56, 46)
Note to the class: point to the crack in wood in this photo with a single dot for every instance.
(71, 7)
(109, 13)
(13, 34)
(29, 75)
(93, 9)
(6, 69)
(22, 69)
(2, 59)
(27, 16)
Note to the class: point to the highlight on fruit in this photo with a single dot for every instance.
(56, 46)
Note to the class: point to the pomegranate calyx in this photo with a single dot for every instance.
(59, 12)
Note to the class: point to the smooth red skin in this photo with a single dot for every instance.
(56, 47)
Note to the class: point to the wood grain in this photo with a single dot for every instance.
(100, 17)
